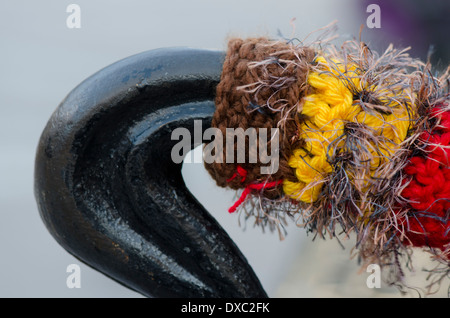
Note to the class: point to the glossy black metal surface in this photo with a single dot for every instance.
(109, 193)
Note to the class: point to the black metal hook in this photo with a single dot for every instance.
(109, 193)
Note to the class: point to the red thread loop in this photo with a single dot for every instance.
(240, 171)
(254, 186)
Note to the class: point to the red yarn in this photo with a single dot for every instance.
(249, 188)
(429, 188)
(240, 171)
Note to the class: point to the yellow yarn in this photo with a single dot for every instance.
(329, 108)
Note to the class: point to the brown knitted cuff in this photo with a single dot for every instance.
(261, 84)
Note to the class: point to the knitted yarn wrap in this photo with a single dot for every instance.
(240, 103)
(364, 143)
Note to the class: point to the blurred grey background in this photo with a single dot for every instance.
(41, 60)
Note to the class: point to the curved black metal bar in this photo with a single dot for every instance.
(109, 193)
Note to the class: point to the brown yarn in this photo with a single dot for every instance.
(262, 82)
